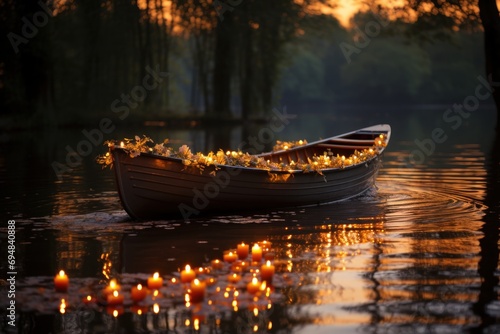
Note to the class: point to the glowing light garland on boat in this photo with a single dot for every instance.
(139, 145)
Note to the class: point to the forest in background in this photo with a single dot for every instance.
(225, 60)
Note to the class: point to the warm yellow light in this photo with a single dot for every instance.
(62, 306)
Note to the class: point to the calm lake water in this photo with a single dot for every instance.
(419, 253)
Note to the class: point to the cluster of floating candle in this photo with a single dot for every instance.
(242, 279)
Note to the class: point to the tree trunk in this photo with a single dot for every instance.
(224, 55)
(490, 17)
(247, 74)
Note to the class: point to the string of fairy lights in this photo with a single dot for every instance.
(139, 145)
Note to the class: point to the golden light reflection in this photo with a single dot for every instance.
(62, 306)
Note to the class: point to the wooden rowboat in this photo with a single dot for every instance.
(152, 186)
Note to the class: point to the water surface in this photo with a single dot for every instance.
(416, 254)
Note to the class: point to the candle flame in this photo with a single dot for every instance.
(112, 284)
(156, 275)
(196, 281)
(115, 293)
(61, 273)
(156, 308)
(188, 267)
(139, 286)
(268, 263)
(89, 298)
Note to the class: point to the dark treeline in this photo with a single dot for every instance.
(80, 60)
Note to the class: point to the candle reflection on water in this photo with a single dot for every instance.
(288, 254)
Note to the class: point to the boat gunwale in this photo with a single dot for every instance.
(386, 127)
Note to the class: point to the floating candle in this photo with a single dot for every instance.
(256, 253)
(61, 282)
(113, 285)
(267, 272)
(242, 251)
(155, 282)
(230, 256)
(253, 286)
(197, 293)
(138, 293)
(217, 264)
(187, 275)
(234, 278)
(114, 298)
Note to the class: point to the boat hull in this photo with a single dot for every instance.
(152, 186)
